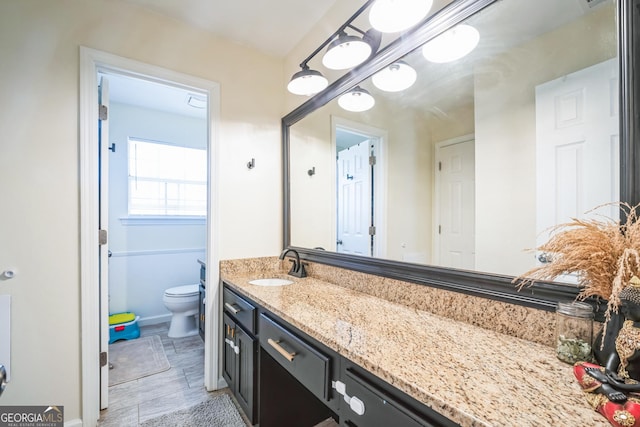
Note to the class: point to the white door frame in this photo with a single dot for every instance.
(103, 223)
(92, 61)
(379, 175)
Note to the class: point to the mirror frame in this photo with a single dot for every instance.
(541, 295)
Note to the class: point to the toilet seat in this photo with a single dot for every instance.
(183, 291)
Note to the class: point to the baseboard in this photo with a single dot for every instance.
(154, 320)
(222, 383)
(74, 423)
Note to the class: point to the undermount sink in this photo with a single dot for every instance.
(271, 282)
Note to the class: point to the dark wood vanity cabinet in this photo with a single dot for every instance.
(203, 294)
(202, 309)
(240, 349)
(282, 376)
(371, 402)
(295, 376)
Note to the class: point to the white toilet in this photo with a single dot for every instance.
(182, 302)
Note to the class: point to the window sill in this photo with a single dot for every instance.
(163, 220)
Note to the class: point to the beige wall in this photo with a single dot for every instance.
(39, 165)
(312, 201)
(407, 179)
(506, 134)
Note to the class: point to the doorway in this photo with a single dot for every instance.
(360, 187)
(94, 316)
(153, 181)
(577, 132)
(454, 207)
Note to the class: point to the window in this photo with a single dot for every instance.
(166, 180)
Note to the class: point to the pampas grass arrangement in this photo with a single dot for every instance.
(604, 253)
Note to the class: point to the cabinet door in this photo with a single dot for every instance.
(229, 354)
(245, 391)
(201, 310)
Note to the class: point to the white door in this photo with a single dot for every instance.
(456, 207)
(354, 200)
(103, 141)
(577, 143)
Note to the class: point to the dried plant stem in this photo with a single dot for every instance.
(604, 253)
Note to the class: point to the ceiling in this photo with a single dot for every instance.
(270, 26)
(259, 26)
(157, 96)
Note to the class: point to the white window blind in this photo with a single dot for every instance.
(166, 180)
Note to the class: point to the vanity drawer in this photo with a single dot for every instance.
(376, 405)
(308, 365)
(239, 309)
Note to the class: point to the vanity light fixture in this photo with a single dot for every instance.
(451, 45)
(390, 16)
(307, 82)
(357, 100)
(395, 78)
(343, 51)
(346, 51)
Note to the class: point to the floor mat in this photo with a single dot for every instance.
(217, 411)
(136, 358)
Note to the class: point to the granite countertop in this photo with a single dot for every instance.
(471, 375)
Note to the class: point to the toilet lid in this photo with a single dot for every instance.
(183, 291)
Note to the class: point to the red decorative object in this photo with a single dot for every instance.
(626, 414)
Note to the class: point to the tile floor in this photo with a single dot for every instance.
(181, 386)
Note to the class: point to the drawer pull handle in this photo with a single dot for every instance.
(232, 308)
(282, 351)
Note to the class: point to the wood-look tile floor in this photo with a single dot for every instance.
(180, 387)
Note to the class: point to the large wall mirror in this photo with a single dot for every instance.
(451, 181)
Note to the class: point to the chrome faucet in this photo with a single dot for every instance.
(297, 269)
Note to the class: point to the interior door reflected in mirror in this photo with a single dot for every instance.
(472, 163)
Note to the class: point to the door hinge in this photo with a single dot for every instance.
(439, 229)
(372, 160)
(103, 359)
(372, 230)
(439, 166)
(103, 112)
(102, 237)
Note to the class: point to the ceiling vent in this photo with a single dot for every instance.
(196, 101)
(591, 4)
